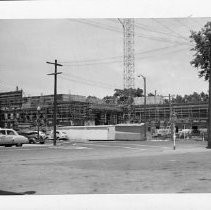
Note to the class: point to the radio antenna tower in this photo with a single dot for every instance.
(129, 58)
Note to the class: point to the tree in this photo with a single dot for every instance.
(202, 41)
(109, 100)
(151, 94)
(192, 98)
(93, 99)
(178, 100)
(124, 96)
(202, 60)
(139, 92)
(204, 97)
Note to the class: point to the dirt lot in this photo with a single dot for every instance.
(106, 168)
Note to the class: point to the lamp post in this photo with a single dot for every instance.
(38, 122)
(145, 102)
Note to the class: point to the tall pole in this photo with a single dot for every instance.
(172, 121)
(145, 104)
(209, 105)
(170, 115)
(170, 108)
(209, 117)
(55, 98)
(38, 123)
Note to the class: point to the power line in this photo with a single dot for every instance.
(147, 27)
(106, 27)
(96, 25)
(161, 39)
(170, 29)
(138, 25)
(91, 81)
(115, 59)
(87, 83)
(154, 31)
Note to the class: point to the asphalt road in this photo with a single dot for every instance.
(106, 167)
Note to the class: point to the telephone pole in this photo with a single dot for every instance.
(55, 98)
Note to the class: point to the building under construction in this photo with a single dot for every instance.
(193, 116)
(19, 112)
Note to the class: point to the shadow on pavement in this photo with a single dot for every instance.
(2, 192)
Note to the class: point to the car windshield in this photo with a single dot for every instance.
(9, 132)
(32, 133)
(2, 132)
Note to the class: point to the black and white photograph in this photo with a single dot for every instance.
(105, 106)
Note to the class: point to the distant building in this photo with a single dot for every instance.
(47, 100)
(194, 115)
(149, 100)
(18, 111)
(11, 100)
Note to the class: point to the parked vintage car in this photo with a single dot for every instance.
(185, 133)
(60, 135)
(33, 137)
(162, 132)
(9, 137)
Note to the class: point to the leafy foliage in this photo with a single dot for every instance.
(151, 94)
(192, 98)
(94, 99)
(124, 96)
(202, 56)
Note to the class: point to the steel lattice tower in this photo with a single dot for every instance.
(129, 59)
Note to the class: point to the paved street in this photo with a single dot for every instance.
(106, 167)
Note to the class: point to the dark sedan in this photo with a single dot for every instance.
(33, 137)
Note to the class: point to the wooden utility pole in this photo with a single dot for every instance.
(55, 97)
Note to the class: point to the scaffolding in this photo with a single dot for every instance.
(185, 113)
(69, 112)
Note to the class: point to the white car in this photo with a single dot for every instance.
(162, 132)
(9, 137)
(41, 134)
(185, 133)
(60, 135)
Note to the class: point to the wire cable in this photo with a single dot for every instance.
(85, 79)
(170, 29)
(85, 83)
(114, 59)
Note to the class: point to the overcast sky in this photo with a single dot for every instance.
(91, 51)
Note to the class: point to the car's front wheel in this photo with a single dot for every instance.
(8, 145)
(32, 141)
